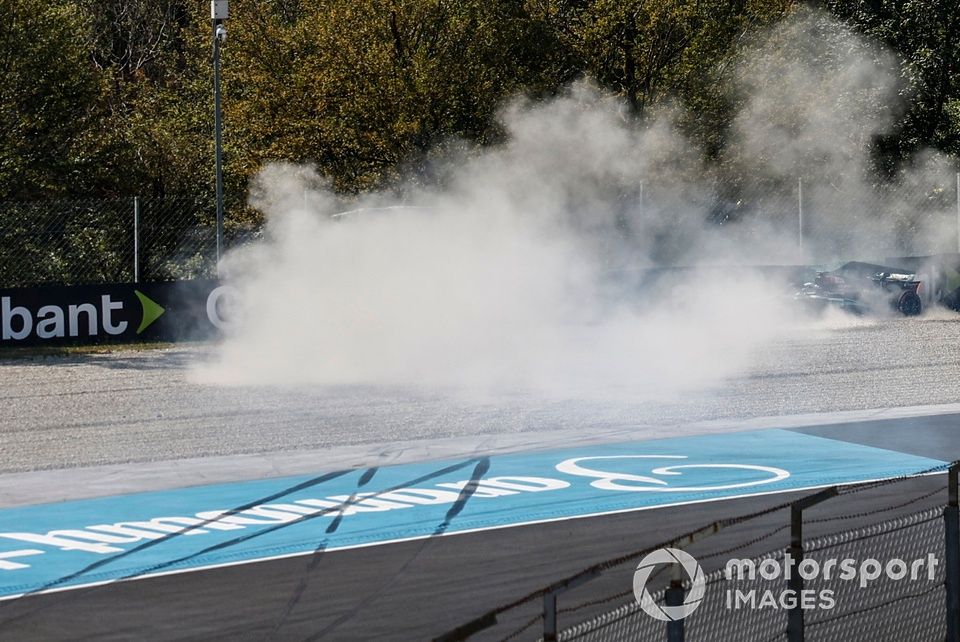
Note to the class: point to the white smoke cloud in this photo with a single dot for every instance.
(813, 99)
(501, 279)
(518, 269)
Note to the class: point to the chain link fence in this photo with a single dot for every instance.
(799, 222)
(905, 520)
(878, 610)
(884, 609)
(176, 239)
(67, 242)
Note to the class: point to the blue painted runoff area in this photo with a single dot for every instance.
(57, 546)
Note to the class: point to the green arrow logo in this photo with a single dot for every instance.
(151, 310)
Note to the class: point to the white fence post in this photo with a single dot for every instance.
(800, 213)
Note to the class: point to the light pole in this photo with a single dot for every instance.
(218, 13)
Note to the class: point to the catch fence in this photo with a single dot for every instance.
(912, 519)
(83, 241)
(800, 220)
(794, 221)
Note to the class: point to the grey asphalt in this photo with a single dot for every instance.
(67, 417)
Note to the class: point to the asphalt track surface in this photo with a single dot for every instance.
(84, 425)
(415, 590)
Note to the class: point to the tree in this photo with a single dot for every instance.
(50, 115)
(649, 51)
(360, 87)
(926, 36)
(155, 61)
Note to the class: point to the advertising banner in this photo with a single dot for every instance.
(111, 313)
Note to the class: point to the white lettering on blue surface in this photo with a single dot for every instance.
(104, 539)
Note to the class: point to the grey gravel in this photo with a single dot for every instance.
(139, 406)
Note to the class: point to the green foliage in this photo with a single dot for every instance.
(359, 87)
(154, 58)
(926, 36)
(113, 97)
(49, 116)
(65, 241)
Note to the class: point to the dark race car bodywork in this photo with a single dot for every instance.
(864, 287)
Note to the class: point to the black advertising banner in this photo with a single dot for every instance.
(111, 313)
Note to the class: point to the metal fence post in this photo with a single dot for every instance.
(951, 515)
(800, 213)
(136, 239)
(794, 581)
(550, 617)
(795, 553)
(550, 600)
(218, 13)
(674, 597)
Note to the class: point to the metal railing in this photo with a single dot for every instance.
(887, 608)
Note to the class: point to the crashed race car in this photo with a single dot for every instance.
(863, 287)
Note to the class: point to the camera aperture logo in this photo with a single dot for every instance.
(693, 571)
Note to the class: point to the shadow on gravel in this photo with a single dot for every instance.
(163, 356)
